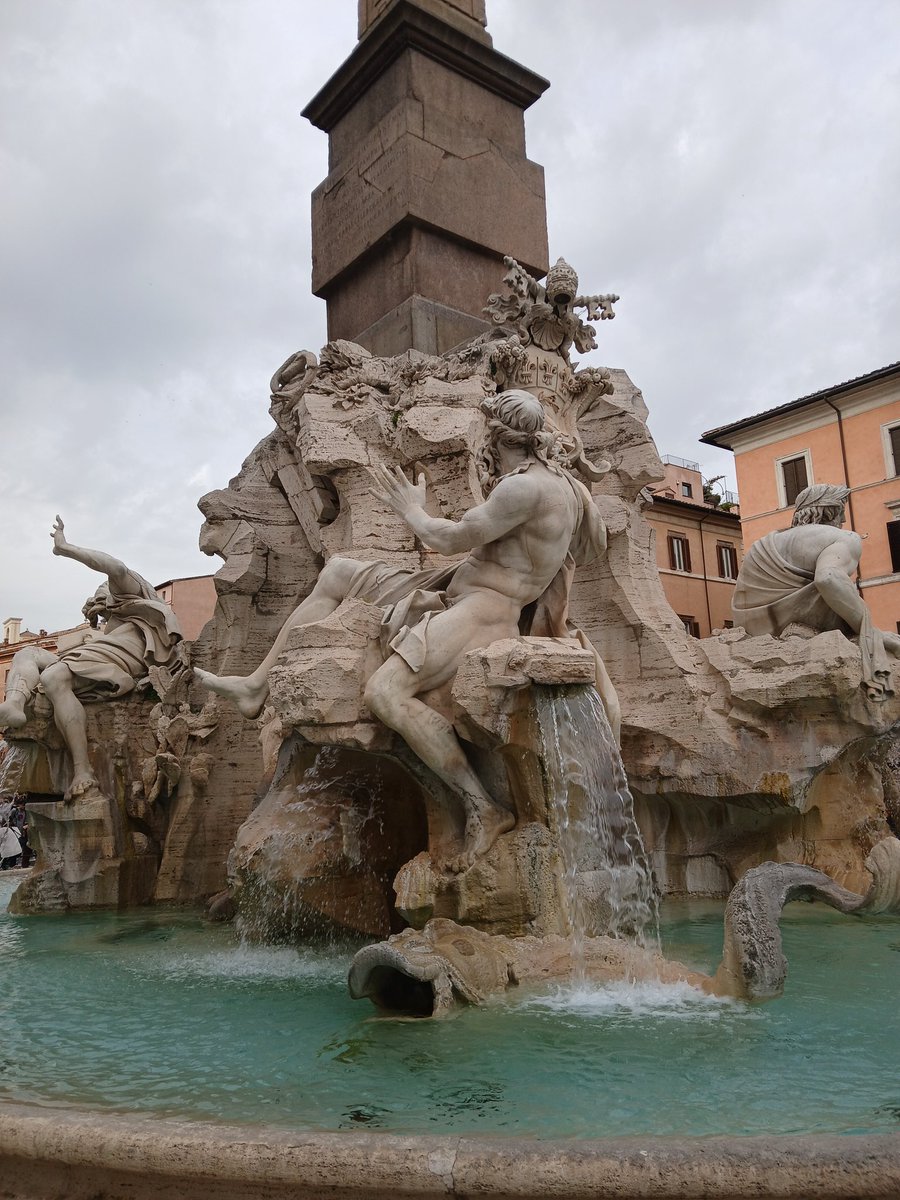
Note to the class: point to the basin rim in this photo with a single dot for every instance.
(75, 1152)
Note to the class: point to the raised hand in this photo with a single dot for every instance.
(394, 489)
(59, 537)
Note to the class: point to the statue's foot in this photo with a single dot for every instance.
(11, 716)
(248, 697)
(84, 781)
(484, 824)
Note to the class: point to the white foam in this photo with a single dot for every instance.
(630, 999)
(252, 962)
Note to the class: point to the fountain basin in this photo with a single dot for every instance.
(75, 1155)
(157, 1014)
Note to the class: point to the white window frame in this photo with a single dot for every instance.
(779, 474)
(671, 538)
(727, 546)
(891, 469)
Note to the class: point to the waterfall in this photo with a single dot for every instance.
(608, 882)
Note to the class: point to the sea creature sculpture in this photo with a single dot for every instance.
(435, 970)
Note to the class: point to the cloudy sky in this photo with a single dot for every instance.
(730, 167)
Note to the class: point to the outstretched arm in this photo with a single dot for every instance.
(834, 568)
(507, 507)
(118, 574)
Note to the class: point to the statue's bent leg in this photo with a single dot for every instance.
(609, 697)
(391, 695)
(21, 684)
(68, 712)
(249, 692)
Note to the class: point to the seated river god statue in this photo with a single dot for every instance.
(800, 581)
(521, 546)
(131, 630)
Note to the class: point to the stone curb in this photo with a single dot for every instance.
(83, 1156)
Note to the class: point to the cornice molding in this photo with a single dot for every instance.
(407, 26)
(855, 395)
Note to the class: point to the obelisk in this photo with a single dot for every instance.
(429, 184)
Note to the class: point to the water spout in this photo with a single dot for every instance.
(608, 882)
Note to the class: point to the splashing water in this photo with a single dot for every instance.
(632, 1000)
(608, 882)
(327, 817)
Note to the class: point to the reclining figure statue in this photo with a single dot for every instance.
(800, 581)
(522, 545)
(139, 631)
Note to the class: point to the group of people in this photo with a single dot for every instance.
(14, 848)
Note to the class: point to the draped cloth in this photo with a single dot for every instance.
(410, 599)
(142, 632)
(772, 594)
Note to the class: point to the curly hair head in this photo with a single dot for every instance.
(820, 504)
(515, 418)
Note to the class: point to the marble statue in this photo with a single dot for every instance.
(800, 581)
(521, 546)
(139, 631)
(544, 314)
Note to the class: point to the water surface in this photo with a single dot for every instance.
(160, 1013)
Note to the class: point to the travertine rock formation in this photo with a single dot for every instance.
(430, 972)
(339, 823)
(737, 749)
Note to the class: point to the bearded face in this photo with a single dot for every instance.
(95, 608)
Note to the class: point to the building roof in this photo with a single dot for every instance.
(722, 436)
(182, 579)
(708, 510)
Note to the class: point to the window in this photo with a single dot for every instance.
(893, 532)
(688, 491)
(690, 624)
(894, 435)
(727, 556)
(794, 478)
(890, 436)
(679, 553)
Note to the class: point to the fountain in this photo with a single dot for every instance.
(396, 760)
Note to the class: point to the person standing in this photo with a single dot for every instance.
(18, 822)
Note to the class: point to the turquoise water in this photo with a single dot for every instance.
(160, 1013)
